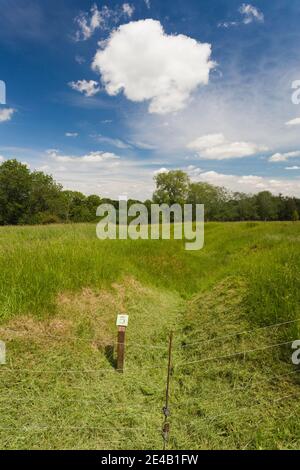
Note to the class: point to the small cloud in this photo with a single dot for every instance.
(120, 144)
(283, 157)
(148, 4)
(87, 87)
(143, 145)
(293, 122)
(79, 59)
(251, 13)
(71, 134)
(217, 147)
(107, 121)
(104, 19)
(6, 114)
(88, 23)
(161, 170)
(128, 10)
(295, 167)
(90, 158)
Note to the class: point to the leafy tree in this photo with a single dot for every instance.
(266, 206)
(15, 187)
(45, 199)
(214, 199)
(295, 216)
(171, 187)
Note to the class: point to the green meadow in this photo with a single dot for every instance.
(233, 306)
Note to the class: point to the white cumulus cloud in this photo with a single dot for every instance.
(145, 63)
(87, 87)
(217, 147)
(6, 114)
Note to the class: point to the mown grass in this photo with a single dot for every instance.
(61, 289)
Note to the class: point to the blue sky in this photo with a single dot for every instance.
(105, 94)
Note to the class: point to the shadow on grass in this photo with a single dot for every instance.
(109, 354)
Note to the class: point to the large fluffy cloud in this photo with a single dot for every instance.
(145, 63)
(217, 147)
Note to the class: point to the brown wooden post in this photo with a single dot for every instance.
(122, 323)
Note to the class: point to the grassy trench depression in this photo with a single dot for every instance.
(233, 382)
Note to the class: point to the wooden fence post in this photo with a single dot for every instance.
(122, 323)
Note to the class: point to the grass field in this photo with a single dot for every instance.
(60, 291)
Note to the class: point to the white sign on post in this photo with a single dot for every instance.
(122, 320)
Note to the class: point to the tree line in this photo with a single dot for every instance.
(33, 197)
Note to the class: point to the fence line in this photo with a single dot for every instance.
(250, 385)
(235, 354)
(148, 346)
(239, 333)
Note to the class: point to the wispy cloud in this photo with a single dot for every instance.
(115, 142)
(249, 14)
(103, 19)
(128, 10)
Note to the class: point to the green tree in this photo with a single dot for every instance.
(267, 206)
(15, 186)
(45, 200)
(214, 199)
(295, 216)
(171, 187)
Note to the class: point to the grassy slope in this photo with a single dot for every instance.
(60, 292)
